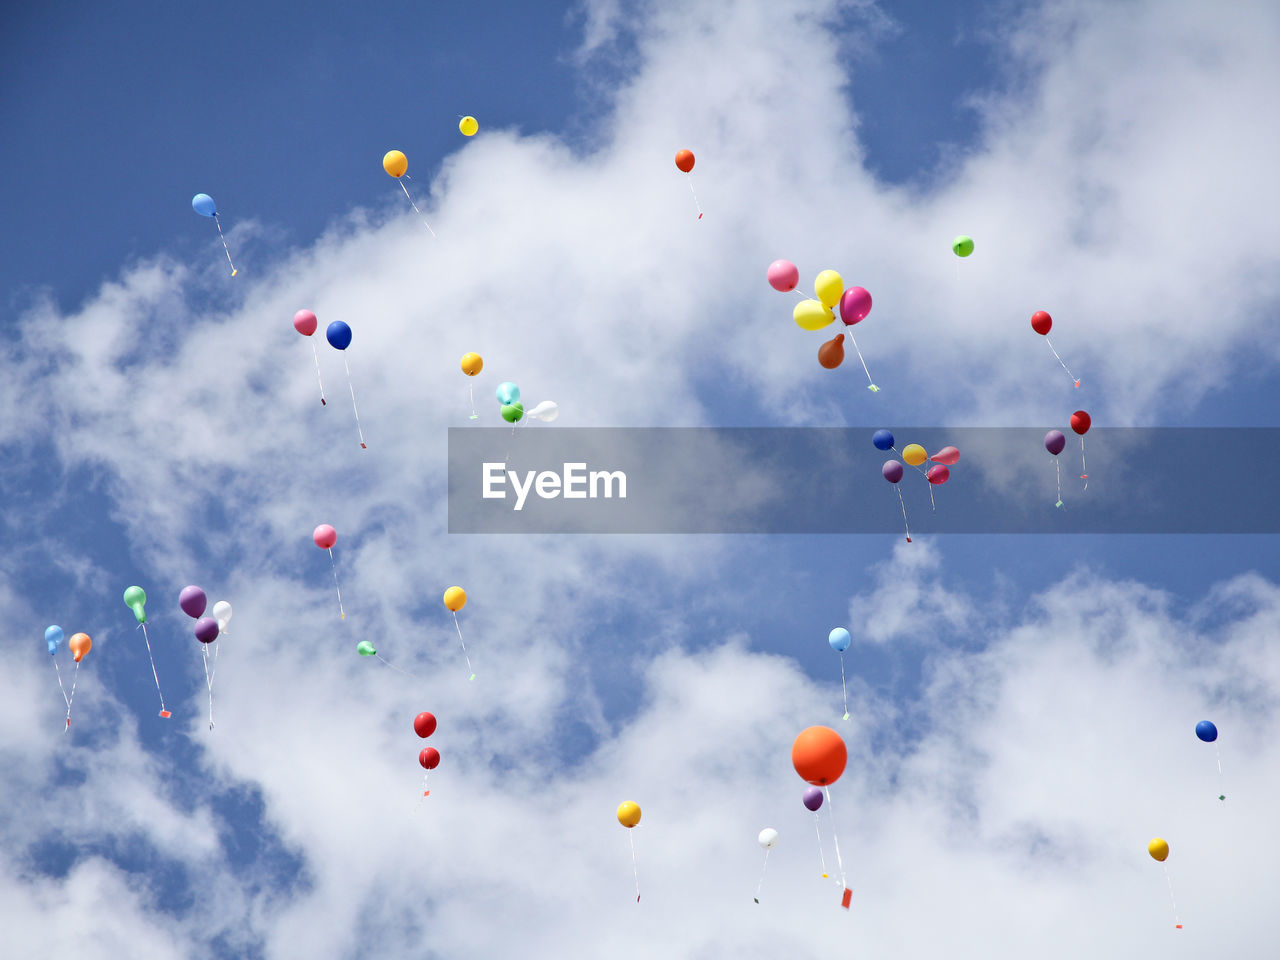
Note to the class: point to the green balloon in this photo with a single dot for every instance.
(365, 649)
(962, 246)
(511, 412)
(135, 598)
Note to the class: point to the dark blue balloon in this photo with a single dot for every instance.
(338, 335)
(883, 440)
(1206, 731)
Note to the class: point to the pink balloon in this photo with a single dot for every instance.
(938, 474)
(854, 305)
(783, 275)
(325, 536)
(947, 455)
(304, 321)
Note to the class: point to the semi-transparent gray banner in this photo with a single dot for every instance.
(544, 479)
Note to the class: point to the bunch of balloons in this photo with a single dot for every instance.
(828, 287)
(914, 455)
(1055, 441)
(424, 725)
(193, 601)
(339, 336)
(509, 402)
(819, 756)
(80, 644)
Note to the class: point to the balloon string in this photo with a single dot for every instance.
(1084, 470)
(1058, 468)
(75, 676)
(472, 391)
(395, 668)
(835, 837)
(163, 711)
(822, 857)
(695, 196)
(904, 512)
(64, 695)
(1217, 753)
(843, 688)
(464, 646)
(318, 377)
(334, 567)
(634, 869)
(871, 385)
(425, 792)
(353, 401)
(1176, 922)
(412, 204)
(208, 680)
(234, 271)
(1059, 359)
(762, 870)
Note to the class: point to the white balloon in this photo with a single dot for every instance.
(546, 411)
(768, 837)
(222, 613)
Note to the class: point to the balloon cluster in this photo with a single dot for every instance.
(1055, 441)
(829, 288)
(339, 336)
(193, 601)
(80, 645)
(513, 409)
(913, 454)
(424, 725)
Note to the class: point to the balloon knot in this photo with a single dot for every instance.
(1222, 796)
(364, 446)
(1058, 504)
(322, 403)
(873, 388)
(165, 714)
(1077, 384)
(908, 539)
(700, 217)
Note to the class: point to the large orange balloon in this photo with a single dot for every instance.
(684, 161)
(80, 644)
(819, 755)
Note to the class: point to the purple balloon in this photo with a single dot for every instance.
(206, 629)
(192, 601)
(892, 471)
(1054, 441)
(813, 798)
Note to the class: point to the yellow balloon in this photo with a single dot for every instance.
(472, 364)
(914, 454)
(468, 126)
(828, 288)
(395, 163)
(1158, 849)
(812, 315)
(455, 598)
(629, 814)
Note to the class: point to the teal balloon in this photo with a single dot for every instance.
(508, 393)
(203, 204)
(135, 598)
(365, 649)
(839, 639)
(53, 637)
(511, 412)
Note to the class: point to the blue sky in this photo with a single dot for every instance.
(161, 428)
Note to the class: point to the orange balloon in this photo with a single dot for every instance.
(80, 644)
(684, 160)
(819, 755)
(831, 353)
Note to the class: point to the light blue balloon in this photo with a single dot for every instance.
(53, 637)
(839, 639)
(508, 393)
(203, 204)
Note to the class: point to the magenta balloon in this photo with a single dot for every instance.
(854, 305)
(325, 536)
(947, 455)
(938, 474)
(304, 321)
(1054, 441)
(783, 275)
(192, 601)
(892, 471)
(206, 629)
(813, 798)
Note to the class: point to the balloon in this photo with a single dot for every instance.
(304, 321)
(812, 798)
(882, 439)
(468, 126)
(395, 163)
(324, 536)
(365, 649)
(938, 474)
(53, 637)
(1041, 323)
(507, 392)
(827, 288)
(1158, 849)
(192, 601)
(768, 837)
(831, 353)
(812, 315)
(338, 335)
(1054, 441)
(914, 454)
(203, 204)
(1080, 422)
(429, 758)
(135, 598)
(948, 455)
(80, 644)
(512, 412)
(472, 363)
(629, 814)
(962, 246)
(1206, 731)
(424, 724)
(684, 160)
(455, 598)
(784, 276)
(819, 755)
(546, 411)
(854, 305)
(222, 613)
(206, 629)
(839, 639)
(892, 471)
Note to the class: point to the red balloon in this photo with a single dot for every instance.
(424, 724)
(948, 455)
(819, 755)
(1041, 322)
(938, 474)
(1080, 422)
(684, 160)
(429, 757)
